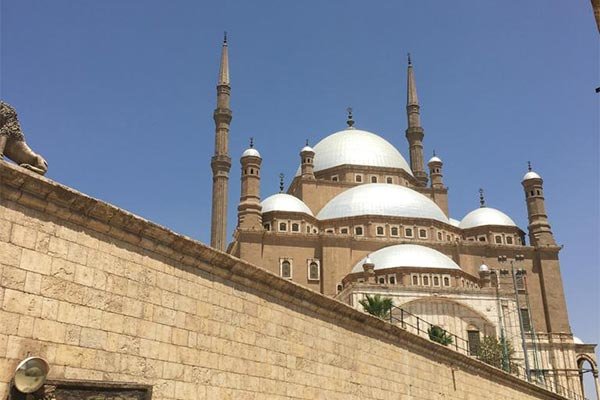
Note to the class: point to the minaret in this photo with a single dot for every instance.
(249, 209)
(435, 172)
(307, 155)
(540, 233)
(414, 132)
(221, 162)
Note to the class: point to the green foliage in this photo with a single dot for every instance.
(377, 305)
(439, 335)
(497, 353)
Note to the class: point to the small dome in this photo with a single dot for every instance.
(483, 268)
(531, 175)
(454, 222)
(307, 148)
(484, 216)
(357, 147)
(251, 152)
(434, 159)
(408, 255)
(381, 199)
(284, 202)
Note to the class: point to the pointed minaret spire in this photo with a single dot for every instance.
(224, 67)
(529, 166)
(481, 198)
(414, 132)
(221, 162)
(251, 142)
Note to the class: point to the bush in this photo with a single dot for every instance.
(439, 335)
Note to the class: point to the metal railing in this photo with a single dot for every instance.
(417, 325)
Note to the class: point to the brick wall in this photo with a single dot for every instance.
(105, 295)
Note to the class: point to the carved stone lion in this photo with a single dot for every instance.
(12, 142)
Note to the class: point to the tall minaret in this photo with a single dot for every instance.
(221, 162)
(414, 132)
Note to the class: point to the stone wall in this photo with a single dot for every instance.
(104, 295)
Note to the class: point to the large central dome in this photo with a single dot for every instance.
(356, 147)
(381, 199)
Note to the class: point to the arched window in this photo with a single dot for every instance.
(282, 227)
(415, 280)
(380, 231)
(389, 179)
(339, 287)
(394, 231)
(425, 280)
(295, 227)
(314, 272)
(267, 227)
(436, 281)
(408, 232)
(358, 231)
(358, 178)
(509, 240)
(498, 239)
(285, 269)
(446, 281)
(373, 179)
(474, 341)
(423, 233)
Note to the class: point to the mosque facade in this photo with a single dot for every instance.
(358, 219)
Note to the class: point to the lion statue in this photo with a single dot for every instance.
(12, 142)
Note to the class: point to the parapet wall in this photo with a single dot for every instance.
(107, 296)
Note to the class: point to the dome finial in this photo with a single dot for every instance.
(251, 142)
(224, 37)
(306, 142)
(281, 176)
(409, 61)
(350, 121)
(434, 152)
(529, 166)
(481, 198)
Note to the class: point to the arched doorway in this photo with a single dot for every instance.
(588, 376)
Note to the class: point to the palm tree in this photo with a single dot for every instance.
(439, 335)
(377, 306)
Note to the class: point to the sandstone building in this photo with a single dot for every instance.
(359, 219)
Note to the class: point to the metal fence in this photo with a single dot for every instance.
(414, 324)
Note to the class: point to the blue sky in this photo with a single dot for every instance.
(118, 96)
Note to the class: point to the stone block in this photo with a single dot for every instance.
(50, 331)
(10, 254)
(37, 262)
(33, 283)
(23, 236)
(93, 338)
(22, 303)
(63, 269)
(13, 278)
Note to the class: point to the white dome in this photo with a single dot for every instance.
(407, 255)
(307, 148)
(381, 199)
(251, 152)
(531, 175)
(454, 222)
(284, 202)
(356, 147)
(485, 216)
(434, 159)
(483, 268)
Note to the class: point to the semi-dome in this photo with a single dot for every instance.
(381, 199)
(356, 147)
(407, 255)
(454, 222)
(485, 216)
(284, 202)
(251, 152)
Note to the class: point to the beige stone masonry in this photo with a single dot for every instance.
(105, 295)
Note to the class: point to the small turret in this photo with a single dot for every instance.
(435, 172)
(369, 270)
(307, 158)
(249, 209)
(540, 232)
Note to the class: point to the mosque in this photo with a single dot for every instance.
(359, 219)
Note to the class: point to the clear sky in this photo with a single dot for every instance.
(118, 96)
